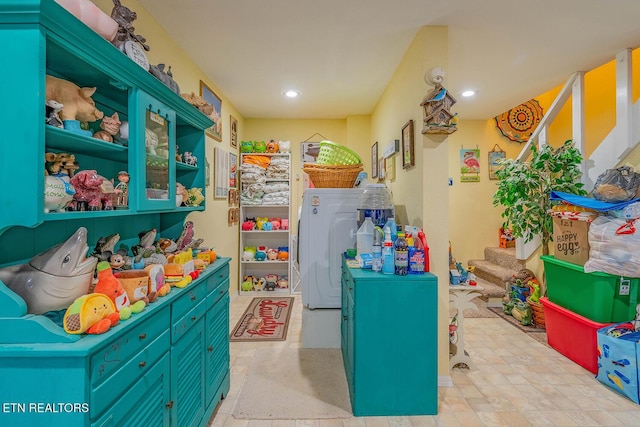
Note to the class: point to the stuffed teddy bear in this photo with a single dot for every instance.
(94, 189)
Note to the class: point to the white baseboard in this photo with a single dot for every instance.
(445, 381)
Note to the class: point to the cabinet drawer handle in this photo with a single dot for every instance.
(142, 364)
(344, 317)
(142, 336)
(193, 297)
(193, 318)
(221, 292)
(220, 275)
(210, 348)
(169, 404)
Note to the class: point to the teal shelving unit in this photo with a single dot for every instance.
(168, 365)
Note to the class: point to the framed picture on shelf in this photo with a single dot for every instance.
(208, 95)
(234, 132)
(408, 156)
(381, 169)
(374, 160)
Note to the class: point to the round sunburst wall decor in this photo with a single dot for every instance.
(519, 123)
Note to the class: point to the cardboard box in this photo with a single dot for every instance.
(618, 359)
(571, 240)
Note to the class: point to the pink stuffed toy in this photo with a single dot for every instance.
(94, 189)
(284, 224)
(275, 222)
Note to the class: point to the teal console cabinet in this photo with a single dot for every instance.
(166, 366)
(389, 342)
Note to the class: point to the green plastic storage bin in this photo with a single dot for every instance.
(596, 296)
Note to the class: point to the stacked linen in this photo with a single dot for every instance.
(254, 179)
(278, 168)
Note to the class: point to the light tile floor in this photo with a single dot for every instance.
(517, 382)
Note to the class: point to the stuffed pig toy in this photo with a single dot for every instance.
(77, 102)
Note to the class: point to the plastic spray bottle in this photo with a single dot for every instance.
(387, 253)
(401, 256)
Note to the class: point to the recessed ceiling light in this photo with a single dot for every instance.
(291, 93)
(468, 93)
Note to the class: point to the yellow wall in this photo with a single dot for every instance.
(420, 193)
(211, 225)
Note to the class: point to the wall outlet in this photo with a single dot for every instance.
(625, 286)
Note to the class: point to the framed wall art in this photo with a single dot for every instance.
(309, 152)
(495, 156)
(408, 155)
(233, 170)
(234, 132)
(374, 160)
(208, 95)
(221, 174)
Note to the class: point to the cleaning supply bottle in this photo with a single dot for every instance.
(416, 257)
(401, 256)
(387, 253)
(393, 227)
(364, 243)
(364, 238)
(376, 263)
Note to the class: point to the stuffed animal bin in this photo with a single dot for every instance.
(136, 284)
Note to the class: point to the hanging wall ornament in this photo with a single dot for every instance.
(495, 155)
(469, 164)
(519, 123)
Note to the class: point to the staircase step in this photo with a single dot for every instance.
(504, 257)
(491, 293)
(491, 272)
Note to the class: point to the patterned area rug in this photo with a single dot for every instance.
(481, 312)
(265, 319)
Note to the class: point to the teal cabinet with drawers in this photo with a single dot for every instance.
(389, 342)
(166, 366)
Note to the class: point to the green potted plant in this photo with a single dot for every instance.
(524, 189)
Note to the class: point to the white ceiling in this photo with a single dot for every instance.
(341, 53)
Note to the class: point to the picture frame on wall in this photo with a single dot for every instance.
(233, 170)
(221, 173)
(234, 132)
(374, 160)
(408, 155)
(209, 95)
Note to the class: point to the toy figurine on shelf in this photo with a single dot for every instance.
(110, 127)
(121, 191)
(53, 109)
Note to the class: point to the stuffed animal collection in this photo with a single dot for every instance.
(126, 284)
(271, 147)
(270, 282)
(263, 253)
(265, 224)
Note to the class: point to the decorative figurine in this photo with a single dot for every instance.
(198, 102)
(126, 32)
(110, 127)
(78, 106)
(438, 118)
(166, 78)
(190, 159)
(60, 164)
(52, 280)
(53, 109)
(93, 189)
(121, 191)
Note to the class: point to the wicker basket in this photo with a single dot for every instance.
(332, 176)
(336, 154)
(537, 310)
